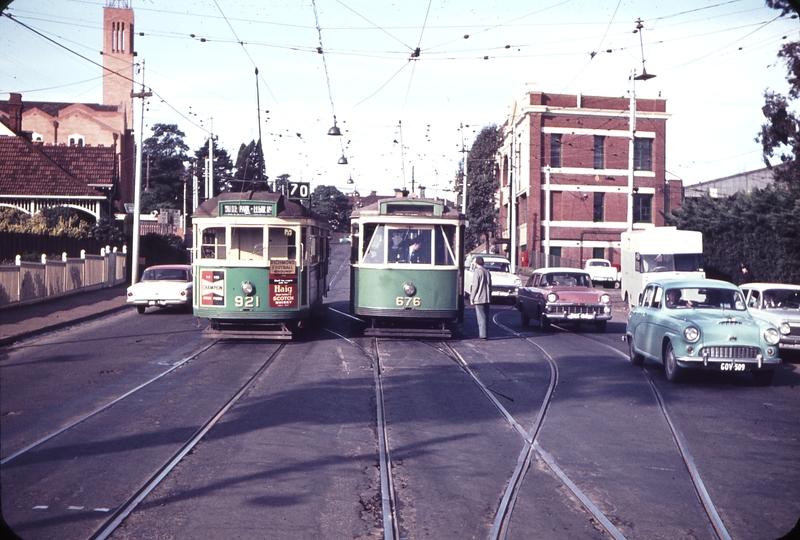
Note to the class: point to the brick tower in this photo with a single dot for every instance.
(118, 57)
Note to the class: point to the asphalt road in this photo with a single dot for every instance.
(296, 456)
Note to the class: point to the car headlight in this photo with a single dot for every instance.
(552, 297)
(771, 336)
(605, 299)
(409, 289)
(784, 328)
(248, 288)
(691, 334)
(517, 282)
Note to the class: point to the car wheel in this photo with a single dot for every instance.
(763, 377)
(141, 309)
(600, 326)
(673, 371)
(635, 358)
(524, 319)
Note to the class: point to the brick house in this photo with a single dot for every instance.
(30, 179)
(565, 161)
(109, 125)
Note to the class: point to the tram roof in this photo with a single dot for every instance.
(285, 208)
(407, 207)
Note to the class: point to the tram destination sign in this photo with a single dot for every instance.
(246, 208)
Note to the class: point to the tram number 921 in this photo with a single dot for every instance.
(246, 301)
(408, 301)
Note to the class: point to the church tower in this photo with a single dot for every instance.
(118, 58)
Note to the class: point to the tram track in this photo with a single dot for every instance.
(709, 510)
(125, 509)
(117, 513)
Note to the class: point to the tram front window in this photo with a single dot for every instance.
(247, 244)
(282, 243)
(376, 250)
(213, 246)
(410, 246)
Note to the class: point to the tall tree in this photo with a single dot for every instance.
(333, 205)
(781, 133)
(162, 168)
(223, 169)
(249, 167)
(482, 185)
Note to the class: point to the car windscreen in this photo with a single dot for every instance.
(781, 299)
(493, 266)
(704, 298)
(566, 280)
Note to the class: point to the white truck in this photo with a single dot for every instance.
(602, 273)
(659, 252)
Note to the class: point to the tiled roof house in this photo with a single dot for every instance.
(31, 180)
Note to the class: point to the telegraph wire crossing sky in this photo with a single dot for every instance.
(407, 80)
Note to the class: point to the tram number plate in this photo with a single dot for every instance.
(247, 302)
(408, 301)
(732, 366)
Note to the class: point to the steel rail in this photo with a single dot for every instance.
(125, 509)
(388, 506)
(504, 513)
(697, 482)
(109, 404)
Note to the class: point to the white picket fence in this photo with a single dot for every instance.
(31, 282)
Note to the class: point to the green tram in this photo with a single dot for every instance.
(260, 265)
(407, 268)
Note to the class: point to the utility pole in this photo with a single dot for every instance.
(137, 193)
(210, 167)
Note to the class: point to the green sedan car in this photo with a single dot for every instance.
(700, 324)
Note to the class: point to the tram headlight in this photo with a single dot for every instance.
(248, 288)
(409, 289)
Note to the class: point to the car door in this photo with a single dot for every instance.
(653, 327)
(638, 321)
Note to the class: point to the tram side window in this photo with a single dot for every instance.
(247, 244)
(282, 243)
(410, 246)
(375, 252)
(213, 246)
(445, 240)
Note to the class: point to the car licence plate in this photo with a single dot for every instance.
(732, 366)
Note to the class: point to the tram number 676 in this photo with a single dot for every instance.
(408, 301)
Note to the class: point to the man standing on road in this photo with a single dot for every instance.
(480, 292)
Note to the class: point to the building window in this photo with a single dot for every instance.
(643, 154)
(599, 152)
(598, 253)
(555, 150)
(642, 208)
(599, 207)
(76, 140)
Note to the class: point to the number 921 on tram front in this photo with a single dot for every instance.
(407, 268)
(260, 265)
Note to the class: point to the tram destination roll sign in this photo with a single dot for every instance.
(246, 208)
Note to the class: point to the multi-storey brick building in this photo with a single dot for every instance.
(565, 161)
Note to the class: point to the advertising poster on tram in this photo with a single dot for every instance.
(212, 287)
(282, 283)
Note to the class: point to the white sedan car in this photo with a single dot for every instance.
(504, 283)
(167, 285)
(779, 304)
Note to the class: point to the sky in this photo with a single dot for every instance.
(406, 117)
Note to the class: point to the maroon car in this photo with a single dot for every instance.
(557, 295)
